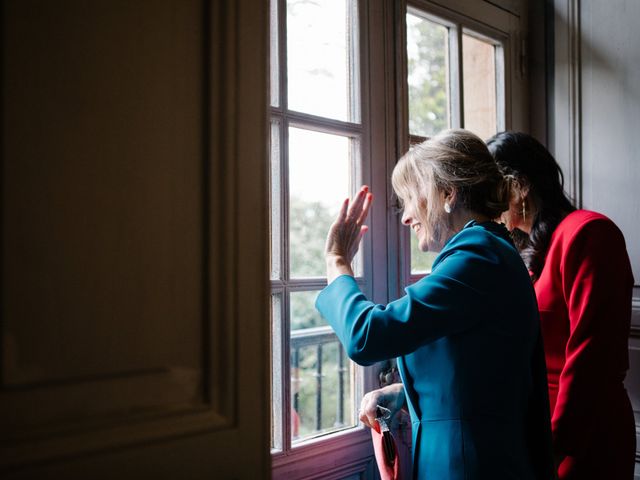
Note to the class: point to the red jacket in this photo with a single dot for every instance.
(584, 295)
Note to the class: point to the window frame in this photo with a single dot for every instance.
(350, 447)
(384, 119)
(486, 22)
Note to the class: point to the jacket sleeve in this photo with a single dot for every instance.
(597, 286)
(440, 304)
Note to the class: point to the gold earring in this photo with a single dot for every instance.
(524, 211)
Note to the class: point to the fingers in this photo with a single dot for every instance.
(368, 409)
(347, 231)
(391, 397)
(363, 229)
(365, 208)
(356, 206)
(365, 420)
(343, 211)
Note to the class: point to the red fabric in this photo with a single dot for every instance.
(295, 423)
(387, 472)
(584, 295)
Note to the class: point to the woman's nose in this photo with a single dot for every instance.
(406, 219)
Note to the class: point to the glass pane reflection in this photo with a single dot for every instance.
(319, 179)
(420, 261)
(322, 389)
(321, 67)
(479, 78)
(428, 76)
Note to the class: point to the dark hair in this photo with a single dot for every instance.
(522, 158)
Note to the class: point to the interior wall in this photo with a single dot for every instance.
(595, 109)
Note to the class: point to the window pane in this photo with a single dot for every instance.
(276, 372)
(321, 66)
(319, 179)
(321, 375)
(303, 311)
(479, 78)
(276, 207)
(420, 261)
(428, 72)
(275, 64)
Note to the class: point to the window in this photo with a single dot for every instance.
(455, 79)
(347, 99)
(316, 161)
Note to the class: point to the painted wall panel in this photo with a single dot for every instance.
(610, 76)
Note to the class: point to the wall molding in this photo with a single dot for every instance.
(565, 138)
(635, 317)
(305, 461)
(575, 100)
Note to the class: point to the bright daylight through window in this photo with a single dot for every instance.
(316, 135)
(434, 95)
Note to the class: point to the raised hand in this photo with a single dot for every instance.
(346, 232)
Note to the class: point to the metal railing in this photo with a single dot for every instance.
(320, 338)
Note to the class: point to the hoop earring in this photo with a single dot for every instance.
(524, 211)
(447, 207)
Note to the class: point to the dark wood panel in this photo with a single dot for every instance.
(133, 337)
(102, 162)
(104, 260)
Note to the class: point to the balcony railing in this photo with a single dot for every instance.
(317, 358)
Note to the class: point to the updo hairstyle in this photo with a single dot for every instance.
(454, 160)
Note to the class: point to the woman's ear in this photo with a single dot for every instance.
(524, 191)
(519, 192)
(449, 197)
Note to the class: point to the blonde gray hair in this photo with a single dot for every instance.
(454, 160)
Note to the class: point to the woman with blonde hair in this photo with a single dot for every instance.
(466, 336)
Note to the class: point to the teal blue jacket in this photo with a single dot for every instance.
(467, 338)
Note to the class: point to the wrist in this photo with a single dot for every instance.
(336, 261)
(336, 266)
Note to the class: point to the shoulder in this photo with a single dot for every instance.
(580, 218)
(585, 226)
(586, 236)
(478, 250)
(480, 239)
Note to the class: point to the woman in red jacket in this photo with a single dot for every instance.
(582, 276)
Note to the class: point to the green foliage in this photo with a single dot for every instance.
(309, 223)
(307, 388)
(420, 261)
(303, 311)
(428, 102)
